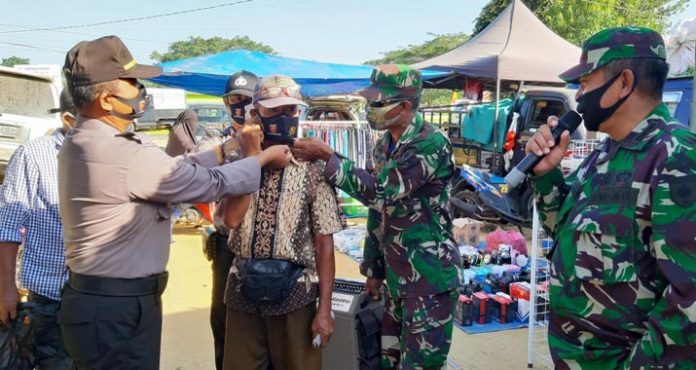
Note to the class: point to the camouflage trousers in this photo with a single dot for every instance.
(417, 332)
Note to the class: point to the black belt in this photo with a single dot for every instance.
(116, 287)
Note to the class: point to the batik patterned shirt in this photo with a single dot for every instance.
(291, 206)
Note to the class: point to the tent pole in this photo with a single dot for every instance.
(693, 97)
(495, 124)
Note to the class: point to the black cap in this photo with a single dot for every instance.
(241, 83)
(66, 103)
(101, 60)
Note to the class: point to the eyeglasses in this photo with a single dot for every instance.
(286, 110)
(384, 103)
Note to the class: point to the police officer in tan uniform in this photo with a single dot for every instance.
(115, 191)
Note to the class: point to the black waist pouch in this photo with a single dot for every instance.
(269, 280)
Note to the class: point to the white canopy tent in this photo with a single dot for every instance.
(681, 54)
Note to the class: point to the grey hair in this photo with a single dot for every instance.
(83, 95)
(650, 74)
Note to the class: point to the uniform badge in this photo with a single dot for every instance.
(682, 190)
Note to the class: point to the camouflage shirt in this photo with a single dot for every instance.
(409, 227)
(623, 272)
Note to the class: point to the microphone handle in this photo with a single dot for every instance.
(527, 164)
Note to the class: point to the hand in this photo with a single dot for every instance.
(373, 286)
(311, 149)
(9, 297)
(542, 143)
(252, 136)
(323, 324)
(276, 156)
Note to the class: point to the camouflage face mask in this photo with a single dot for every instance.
(376, 119)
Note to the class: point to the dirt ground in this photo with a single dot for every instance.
(187, 343)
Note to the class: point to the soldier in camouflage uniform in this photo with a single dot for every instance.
(410, 232)
(623, 268)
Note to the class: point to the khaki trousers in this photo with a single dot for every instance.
(253, 342)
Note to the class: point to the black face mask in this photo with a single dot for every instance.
(589, 104)
(139, 104)
(280, 128)
(237, 110)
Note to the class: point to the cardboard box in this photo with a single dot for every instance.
(482, 307)
(467, 231)
(520, 290)
(464, 313)
(504, 309)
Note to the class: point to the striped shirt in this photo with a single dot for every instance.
(29, 200)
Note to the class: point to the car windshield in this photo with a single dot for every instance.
(213, 114)
(25, 96)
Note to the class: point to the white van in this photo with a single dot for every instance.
(166, 106)
(25, 100)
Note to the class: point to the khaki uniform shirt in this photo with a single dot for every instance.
(115, 191)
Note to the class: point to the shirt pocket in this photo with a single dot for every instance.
(606, 243)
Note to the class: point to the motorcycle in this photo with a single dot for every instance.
(485, 197)
(187, 214)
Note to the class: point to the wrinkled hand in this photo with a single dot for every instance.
(323, 324)
(9, 297)
(373, 286)
(311, 149)
(252, 136)
(276, 156)
(542, 144)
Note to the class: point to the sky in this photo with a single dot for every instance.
(339, 31)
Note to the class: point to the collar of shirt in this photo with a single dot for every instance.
(410, 133)
(95, 125)
(646, 129)
(58, 138)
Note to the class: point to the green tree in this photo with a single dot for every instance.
(198, 46)
(576, 20)
(440, 44)
(13, 60)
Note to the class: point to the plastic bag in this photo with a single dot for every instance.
(512, 237)
(17, 341)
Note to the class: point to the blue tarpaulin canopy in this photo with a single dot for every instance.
(208, 74)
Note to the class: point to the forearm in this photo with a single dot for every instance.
(234, 209)
(356, 182)
(326, 270)
(8, 263)
(550, 191)
(372, 265)
(669, 337)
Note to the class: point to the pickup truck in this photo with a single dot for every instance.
(25, 101)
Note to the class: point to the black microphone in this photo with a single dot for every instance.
(569, 121)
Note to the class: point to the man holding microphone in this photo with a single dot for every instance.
(623, 266)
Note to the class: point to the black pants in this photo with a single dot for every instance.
(218, 312)
(111, 332)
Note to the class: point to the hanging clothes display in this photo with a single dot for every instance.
(355, 141)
